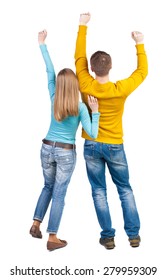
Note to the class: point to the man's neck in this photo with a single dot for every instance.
(102, 80)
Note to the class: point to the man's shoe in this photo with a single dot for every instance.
(108, 242)
(53, 245)
(135, 242)
(35, 232)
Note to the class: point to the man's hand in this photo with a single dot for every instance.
(84, 18)
(42, 36)
(93, 104)
(138, 37)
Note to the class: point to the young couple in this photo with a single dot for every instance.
(102, 130)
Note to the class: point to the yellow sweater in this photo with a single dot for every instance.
(111, 96)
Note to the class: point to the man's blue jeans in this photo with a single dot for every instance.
(58, 165)
(97, 155)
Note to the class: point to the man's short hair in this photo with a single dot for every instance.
(101, 63)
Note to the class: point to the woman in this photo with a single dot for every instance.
(58, 154)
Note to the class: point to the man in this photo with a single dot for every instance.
(108, 149)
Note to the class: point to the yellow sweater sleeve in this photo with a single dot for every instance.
(128, 85)
(81, 62)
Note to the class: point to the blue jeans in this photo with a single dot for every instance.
(58, 165)
(97, 156)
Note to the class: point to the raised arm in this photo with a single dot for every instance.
(81, 62)
(90, 126)
(137, 77)
(49, 65)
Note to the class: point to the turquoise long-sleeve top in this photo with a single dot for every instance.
(65, 131)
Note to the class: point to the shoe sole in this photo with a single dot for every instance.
(109, 246)
(35, 236)
(134, 245)
(56, 248)
(51, 246)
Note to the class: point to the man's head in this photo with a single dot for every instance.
(101, 63)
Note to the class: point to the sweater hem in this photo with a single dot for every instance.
(104, 140)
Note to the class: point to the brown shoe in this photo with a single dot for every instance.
(108, 242)
(53, 245)
(35, 232)
(135, 242)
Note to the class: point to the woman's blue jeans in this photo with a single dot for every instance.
(58, 165)
(97, 155)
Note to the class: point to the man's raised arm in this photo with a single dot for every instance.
(138, 76)
(81, 62)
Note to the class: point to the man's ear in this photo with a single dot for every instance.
(91, 69)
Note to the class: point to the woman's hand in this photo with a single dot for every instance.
(42, 36)
(93, 104)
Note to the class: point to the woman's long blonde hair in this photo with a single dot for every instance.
(67, 95)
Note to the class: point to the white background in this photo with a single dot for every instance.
(25, 116)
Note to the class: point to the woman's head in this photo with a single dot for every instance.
(67, 95)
